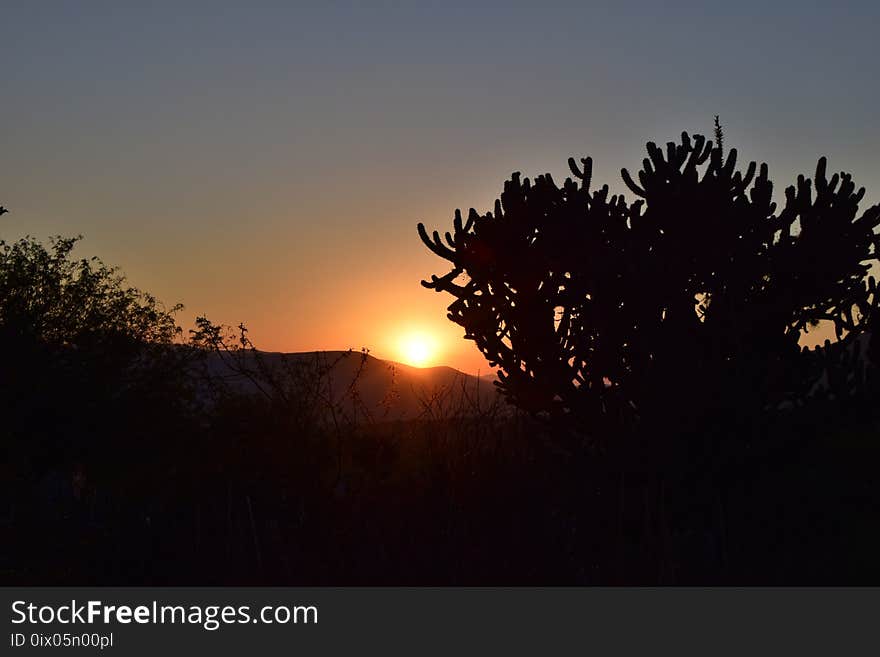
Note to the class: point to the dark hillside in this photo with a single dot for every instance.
(362, 384)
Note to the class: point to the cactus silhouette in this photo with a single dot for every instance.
(682, 305)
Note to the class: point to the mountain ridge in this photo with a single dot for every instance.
(355, 381)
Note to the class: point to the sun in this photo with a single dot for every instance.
(417, 349)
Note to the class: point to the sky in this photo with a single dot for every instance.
(267, 163)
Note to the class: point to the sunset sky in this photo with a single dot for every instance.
(267, 164)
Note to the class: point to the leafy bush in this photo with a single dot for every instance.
(51, 297)
(81, 350)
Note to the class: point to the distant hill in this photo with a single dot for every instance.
(361, 384)
(369, 388)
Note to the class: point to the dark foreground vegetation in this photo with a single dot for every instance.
(664, 427)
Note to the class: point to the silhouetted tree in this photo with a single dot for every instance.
(54, 298)
(681, 307)
(80, 351)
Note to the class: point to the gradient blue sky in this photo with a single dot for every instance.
(267, 163)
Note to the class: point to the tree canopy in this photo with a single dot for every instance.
(81, 351)
(52, 297)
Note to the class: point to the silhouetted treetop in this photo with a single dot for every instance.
(81, 351)
(613, 309)
(53, 297)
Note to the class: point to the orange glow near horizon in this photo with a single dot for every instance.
(418, 348)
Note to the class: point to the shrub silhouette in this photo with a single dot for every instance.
(82, 352)
(58, 299)
(681, 307)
